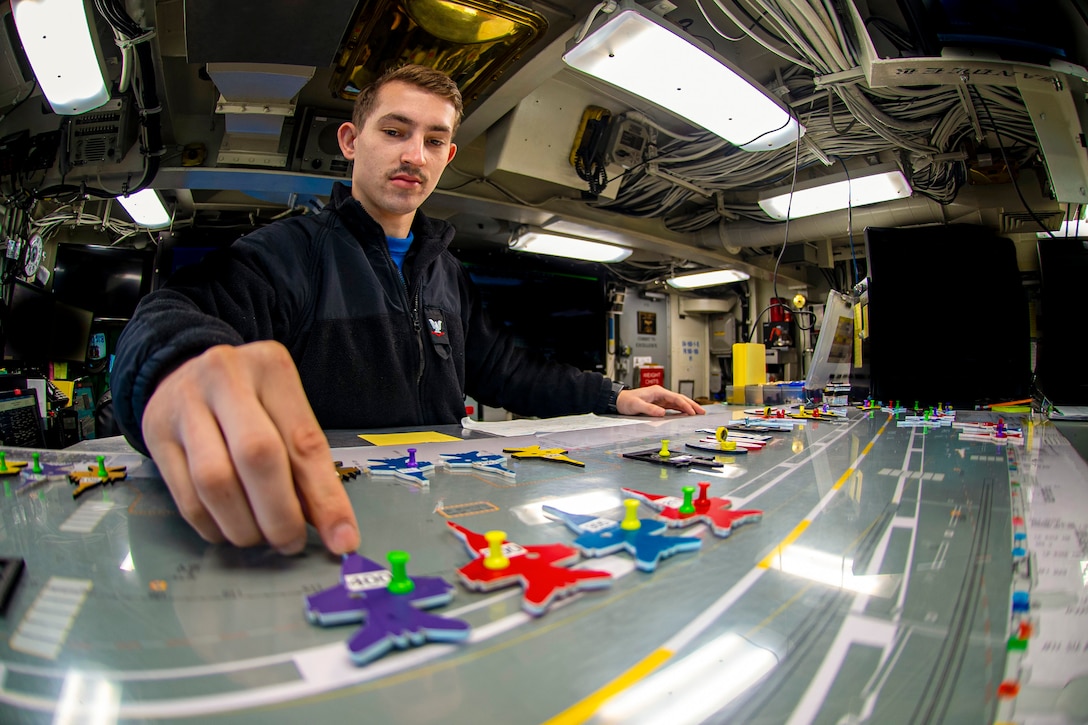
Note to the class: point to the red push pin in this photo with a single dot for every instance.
(702, 504)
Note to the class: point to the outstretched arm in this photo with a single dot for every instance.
(239, 447)
(655, 401)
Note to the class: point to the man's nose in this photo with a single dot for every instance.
(412, 153)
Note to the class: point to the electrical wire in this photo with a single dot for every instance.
(922, 126)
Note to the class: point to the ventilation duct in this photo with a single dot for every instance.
(256, 98)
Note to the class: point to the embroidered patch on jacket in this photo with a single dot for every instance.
(436, 327)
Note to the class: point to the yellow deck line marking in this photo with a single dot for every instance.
(581, 711)
(584, 709)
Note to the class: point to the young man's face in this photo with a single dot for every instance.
(399, 153)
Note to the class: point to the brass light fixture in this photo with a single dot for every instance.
(474, 41)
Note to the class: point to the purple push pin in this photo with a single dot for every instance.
(412, 458)
(1000, 427)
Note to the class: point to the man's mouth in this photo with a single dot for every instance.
(407, 178)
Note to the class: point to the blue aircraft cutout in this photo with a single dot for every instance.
(600, 537)
(404, 467)
(486, 462)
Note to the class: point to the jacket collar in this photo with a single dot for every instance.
(432, 235)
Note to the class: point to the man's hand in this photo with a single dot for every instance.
(655, 401)
(239, 447)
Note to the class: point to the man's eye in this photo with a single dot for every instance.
(392, 132)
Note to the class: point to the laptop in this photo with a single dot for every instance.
(20, 421)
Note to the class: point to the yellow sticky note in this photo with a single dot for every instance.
(398, 439)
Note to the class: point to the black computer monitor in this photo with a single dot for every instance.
(39, 329)
(20, 421)
(948, 316)
(1063, 269)
(109, 281)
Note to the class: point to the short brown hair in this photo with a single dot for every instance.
(428, 79)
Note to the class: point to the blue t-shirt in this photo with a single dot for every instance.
(398, 248)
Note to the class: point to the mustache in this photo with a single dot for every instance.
(409, 170)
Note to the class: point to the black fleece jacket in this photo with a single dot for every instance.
(374, 348)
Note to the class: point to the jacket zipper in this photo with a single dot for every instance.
(414, 311)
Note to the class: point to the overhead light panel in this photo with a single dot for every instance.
(558, 245)
(146, 209)
(57, 37)
(638, 53)
(884, 182)
(708, 279)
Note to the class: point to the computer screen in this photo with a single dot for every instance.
(947, 316)
(109, 281)
(37, 328)
(20, 424)
(1063, 270)
(554, 307)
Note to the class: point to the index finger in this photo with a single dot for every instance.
(319, 487)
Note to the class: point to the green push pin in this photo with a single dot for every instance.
(400, 583)
(916, 406)
(102, 472)
(3, 461)
(630, 515)
(688, 507)
(664, 452)
(37, 468)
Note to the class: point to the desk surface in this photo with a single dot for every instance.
(877, 586)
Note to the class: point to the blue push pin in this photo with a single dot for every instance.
(1021, 602)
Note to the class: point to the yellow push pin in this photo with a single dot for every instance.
(801, 409)
(630, 516)
(721, 434)
(495, 559)
(664, 452)
(728, 445)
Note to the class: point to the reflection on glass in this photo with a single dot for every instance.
(88, 700)
(833, 570)
(695, 687)
(591, 502)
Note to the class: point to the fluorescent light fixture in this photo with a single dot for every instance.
(558, 225)
(883, 182)
(56, 35)
(146, 209)
(572, 247)
(640, 54)
(708, 279)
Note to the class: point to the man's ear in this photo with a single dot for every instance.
(453, 152)
(345, 136)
